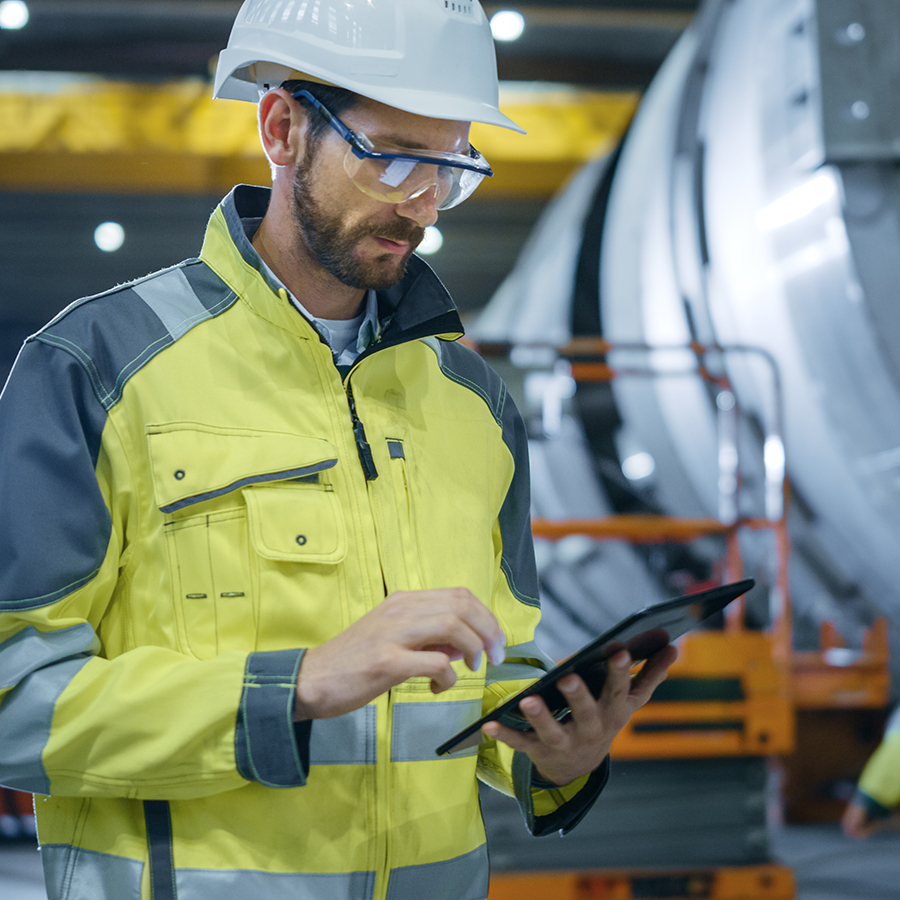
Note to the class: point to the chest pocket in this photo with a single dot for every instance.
(236, 503)
(289, 527)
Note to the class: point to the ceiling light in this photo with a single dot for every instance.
(109, 236)
(13, 14)
(638, 466)
(432, 241)
(507, 25)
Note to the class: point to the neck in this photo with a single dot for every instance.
(320, 292)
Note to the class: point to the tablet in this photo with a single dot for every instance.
(642, 634)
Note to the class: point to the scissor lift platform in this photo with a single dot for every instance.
(762, 882)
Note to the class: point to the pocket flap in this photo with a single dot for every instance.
(296, 524)
(192, 463)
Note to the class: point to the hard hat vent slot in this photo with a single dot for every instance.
(466, 10)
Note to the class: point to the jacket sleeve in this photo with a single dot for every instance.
(878, 791)
(151, 722)
(517, 606)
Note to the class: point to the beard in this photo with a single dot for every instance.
(331, 244)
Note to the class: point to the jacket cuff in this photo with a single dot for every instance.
(565, 806)
(874, 809)
(269, 746)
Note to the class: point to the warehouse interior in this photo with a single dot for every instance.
(684, 273)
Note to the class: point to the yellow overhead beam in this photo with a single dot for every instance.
(109, 137)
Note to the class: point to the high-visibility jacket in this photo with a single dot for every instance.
(192, 493)
(878, 791)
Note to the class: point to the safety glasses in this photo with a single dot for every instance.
(396, 175)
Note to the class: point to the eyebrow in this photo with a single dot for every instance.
(398, 141)
(403, 143)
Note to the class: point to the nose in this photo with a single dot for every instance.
(420, 209)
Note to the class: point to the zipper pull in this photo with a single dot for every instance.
(366, 459)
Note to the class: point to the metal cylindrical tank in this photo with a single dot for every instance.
(755, 206)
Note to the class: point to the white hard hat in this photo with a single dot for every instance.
(430, 57)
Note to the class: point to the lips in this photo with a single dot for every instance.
(392, 246)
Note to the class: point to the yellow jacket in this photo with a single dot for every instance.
(878, 790)
(192, 493)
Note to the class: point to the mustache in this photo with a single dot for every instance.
(399, 231)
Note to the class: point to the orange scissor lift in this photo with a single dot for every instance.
(775, 680)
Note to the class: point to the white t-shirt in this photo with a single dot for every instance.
(341, 332)
(342, 335)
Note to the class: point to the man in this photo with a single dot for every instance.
(873, 807)
(267, 538)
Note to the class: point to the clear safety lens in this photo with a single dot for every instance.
(395, 180)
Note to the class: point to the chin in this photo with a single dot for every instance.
(382, 273)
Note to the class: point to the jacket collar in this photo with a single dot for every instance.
(418, 306)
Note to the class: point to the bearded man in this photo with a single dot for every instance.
(267, 534)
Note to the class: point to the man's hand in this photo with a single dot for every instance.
(857, 823)
(409, 634)
(564, 751)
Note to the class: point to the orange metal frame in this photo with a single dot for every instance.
(765, 715)
(823, 679)
(763, 722)
(819, 679)
(775, 679)
(761, 882)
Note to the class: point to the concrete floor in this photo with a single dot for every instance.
(21, 877)
(828, 865)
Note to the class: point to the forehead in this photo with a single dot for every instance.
(387, 125)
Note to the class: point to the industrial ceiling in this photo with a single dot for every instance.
(100, 99)
(609, 43)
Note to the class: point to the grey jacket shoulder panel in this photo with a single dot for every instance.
(53, 412)
(51, 424)
(469, 370)
(116, 333)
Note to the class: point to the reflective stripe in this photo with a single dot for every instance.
(40, 666)
(241, 884)
(511, 672)
(30, 649)
(520, 671)
(463, 878)
(344, 740)
(418, 728)
(529, 650)
(75, 874)
(174, 301)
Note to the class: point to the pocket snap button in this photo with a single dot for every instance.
(301, 539)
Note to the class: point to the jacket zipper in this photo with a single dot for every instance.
(367, 461)
(383, 767)
(359, 432)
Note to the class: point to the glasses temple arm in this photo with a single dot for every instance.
(346, 133)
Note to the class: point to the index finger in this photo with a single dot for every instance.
(480, 619)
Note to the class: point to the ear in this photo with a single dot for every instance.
(282, 127)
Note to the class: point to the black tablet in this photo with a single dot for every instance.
(642, 634)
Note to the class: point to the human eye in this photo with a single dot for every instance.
(445, 173)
